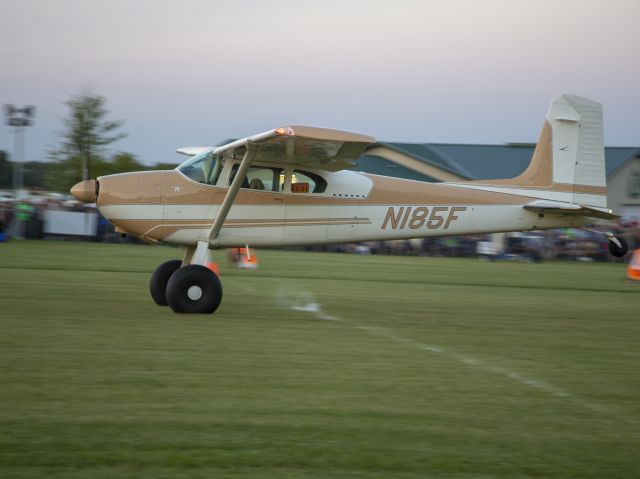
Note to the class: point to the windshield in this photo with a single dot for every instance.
(203, 168)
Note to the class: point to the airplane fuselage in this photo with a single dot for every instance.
(167, 206)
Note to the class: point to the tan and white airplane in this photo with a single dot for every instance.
(290, 186)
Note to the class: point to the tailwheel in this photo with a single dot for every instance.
(194, 289)
(618, 247)
(159, 280)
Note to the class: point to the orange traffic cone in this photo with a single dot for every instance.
(633, 270)
(247, 260)
(214, 267)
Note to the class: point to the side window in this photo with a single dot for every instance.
(260, 178)
(307, 182)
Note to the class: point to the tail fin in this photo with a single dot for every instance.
(578, 149)
(569, 157)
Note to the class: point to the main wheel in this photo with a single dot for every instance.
(194, 289)
(618, 251)
(159, 280)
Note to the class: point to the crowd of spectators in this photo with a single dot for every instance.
(21, 219)
(26, 219)
(561, 244)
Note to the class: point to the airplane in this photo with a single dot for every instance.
(292, 186)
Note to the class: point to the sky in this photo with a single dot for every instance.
(195, 72)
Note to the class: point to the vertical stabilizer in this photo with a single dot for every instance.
(568, 162)
(578, 148)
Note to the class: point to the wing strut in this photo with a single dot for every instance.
(200, 254)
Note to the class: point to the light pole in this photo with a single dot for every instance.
(19, 119)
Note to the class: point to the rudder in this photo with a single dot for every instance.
(578, 148)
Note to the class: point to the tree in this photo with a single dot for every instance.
(6, 171)
(86, 134)
(34, 173)
(118, 163)
(125, 162)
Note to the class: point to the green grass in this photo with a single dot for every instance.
(431, 368)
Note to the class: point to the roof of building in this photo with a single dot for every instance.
(430, 154)
(489, 161)
(616, 156)
(472, 162)
(480, 162)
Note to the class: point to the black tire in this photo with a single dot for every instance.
(618, 251)
(194, 289)
(159, 280)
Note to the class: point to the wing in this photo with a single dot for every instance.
(193, 150)
(317, 148)
(543, 206)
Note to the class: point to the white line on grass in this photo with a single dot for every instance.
(304, 302)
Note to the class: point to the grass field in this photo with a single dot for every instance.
(317, 366)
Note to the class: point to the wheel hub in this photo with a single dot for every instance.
(194, 293)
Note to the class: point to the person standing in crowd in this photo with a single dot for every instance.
(3, 223)
(24, 212)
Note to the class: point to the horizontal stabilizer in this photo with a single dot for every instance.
(545, 206)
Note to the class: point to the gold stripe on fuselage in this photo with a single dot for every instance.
(159, 231)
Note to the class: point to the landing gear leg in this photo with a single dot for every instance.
(188, 255)
(618, 247)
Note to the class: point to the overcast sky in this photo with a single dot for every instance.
(194, 72)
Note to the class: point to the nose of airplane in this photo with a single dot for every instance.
(85, 191)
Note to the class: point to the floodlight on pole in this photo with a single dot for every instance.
(19, 119)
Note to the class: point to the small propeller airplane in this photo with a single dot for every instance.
(290, 186)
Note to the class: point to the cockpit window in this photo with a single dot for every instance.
(203, 168)
(307, 182)
(261, 178)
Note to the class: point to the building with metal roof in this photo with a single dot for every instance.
(435, 162)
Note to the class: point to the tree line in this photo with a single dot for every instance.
(82, 150)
